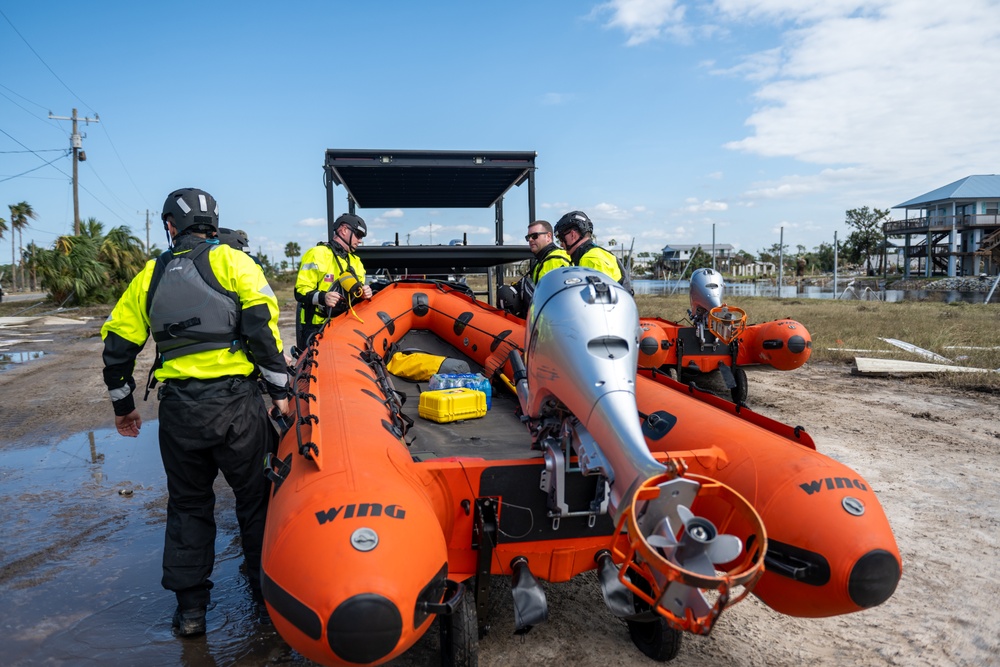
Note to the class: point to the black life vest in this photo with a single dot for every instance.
(189, 309)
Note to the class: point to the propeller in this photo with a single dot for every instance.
(699, 548)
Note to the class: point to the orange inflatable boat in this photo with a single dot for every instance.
(719, 339)
(382, 520)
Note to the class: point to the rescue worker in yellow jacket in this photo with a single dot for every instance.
(214, 319)
(516, 299)
(575, 232)
(331, 278)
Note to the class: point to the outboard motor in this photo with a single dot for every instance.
(706, 291)
(582, 350)
(576, 388)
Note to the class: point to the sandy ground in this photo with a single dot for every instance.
(932, 456)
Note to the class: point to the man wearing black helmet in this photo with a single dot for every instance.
(575, 232)
(212, 315)
(236, 238)
(331, 276)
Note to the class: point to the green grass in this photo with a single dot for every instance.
(860, 324)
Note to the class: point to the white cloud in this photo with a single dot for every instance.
(606, 211)
(431, 228)
(901, 89)
(694, 206)
(793, 10)
(311, 222)
(394, 213)
(645, 20)
(759, 66)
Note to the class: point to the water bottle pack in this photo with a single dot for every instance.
(475, 381)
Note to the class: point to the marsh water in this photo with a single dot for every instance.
(845, 291)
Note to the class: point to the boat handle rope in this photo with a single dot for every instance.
(303, 375)
(392, 399)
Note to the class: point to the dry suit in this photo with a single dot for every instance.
(515, 299)
(214, 319)
(593, 256)
(319, 272)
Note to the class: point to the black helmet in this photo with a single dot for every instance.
(235, 238)
(356, 224)
(192, 210)
(577, 220)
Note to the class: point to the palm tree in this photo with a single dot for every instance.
(93, 267)
(292, 251)
(72, 268)
(20, 213)
(123, 253)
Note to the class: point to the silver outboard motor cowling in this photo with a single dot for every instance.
(582, 352)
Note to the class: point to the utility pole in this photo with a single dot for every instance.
(713, 246)
(781, 259)
(76, 141)
(835, 260)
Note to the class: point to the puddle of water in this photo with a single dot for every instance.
(80, 564)
(19, 357)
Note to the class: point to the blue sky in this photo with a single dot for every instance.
(659, 118)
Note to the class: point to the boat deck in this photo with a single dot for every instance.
(497, 436)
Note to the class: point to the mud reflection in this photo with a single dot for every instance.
(18, 357)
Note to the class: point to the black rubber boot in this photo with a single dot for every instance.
(189, 622)
(263, 616)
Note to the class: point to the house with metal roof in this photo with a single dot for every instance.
(675, 256)
(953, 230)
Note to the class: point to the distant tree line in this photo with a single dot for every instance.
(96, 267)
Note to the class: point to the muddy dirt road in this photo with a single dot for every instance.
(79, 563)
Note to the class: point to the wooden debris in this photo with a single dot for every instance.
(870, 366)
(910, 347)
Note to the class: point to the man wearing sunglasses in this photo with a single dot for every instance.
(515, 299)
(319, 288)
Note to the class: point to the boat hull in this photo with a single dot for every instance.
(364, 534)
(782, 344)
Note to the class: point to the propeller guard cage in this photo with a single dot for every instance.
(637, 556)
(727, 322)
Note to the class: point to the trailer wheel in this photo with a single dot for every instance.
(742, 388)
(460, 634)
(656, 639)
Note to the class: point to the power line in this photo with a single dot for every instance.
(122, 163)
(34, 152)
(108, 134)
(42, 61)
(40, 106)
(27, 111)
(2, 180)
(98, 176)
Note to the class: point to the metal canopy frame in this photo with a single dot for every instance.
(380, 178)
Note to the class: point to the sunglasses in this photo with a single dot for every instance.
(534, 235)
